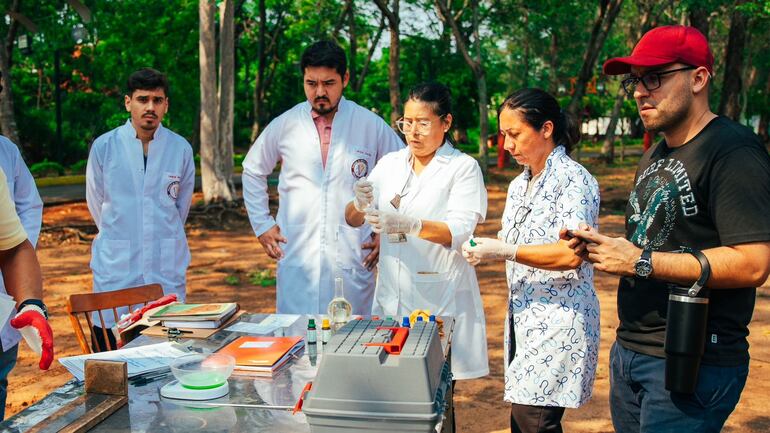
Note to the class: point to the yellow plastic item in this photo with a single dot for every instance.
(425, 314)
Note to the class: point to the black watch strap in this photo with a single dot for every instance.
(705, 271)
(36, 302)
(646, 255)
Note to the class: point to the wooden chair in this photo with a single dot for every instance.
(86, 303)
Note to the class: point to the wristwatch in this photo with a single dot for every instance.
(643, 266)
(36, 302)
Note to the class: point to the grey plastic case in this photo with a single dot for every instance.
(360, 388)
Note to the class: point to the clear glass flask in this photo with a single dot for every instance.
(339, 308)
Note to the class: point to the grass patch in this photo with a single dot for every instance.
(262, 278)
(75, 179)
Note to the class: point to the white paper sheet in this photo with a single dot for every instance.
(256, 345)
(268, 325)
(139, 360)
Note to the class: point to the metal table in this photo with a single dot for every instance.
(146, 411)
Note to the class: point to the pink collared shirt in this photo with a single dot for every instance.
(324, 128)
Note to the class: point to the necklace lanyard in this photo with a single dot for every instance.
(396, 200)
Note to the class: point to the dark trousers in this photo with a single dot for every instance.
(640, 403)
(7, 361)
(97, 342)
(536, 419)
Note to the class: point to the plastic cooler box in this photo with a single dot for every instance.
(377, 377)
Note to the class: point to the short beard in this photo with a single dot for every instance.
(324, 111)
(148, 128)
(672, 119)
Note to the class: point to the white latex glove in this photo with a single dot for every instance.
(391, 222)
(487, 248)
(364, 194)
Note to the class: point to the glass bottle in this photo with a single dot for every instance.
(339, 308)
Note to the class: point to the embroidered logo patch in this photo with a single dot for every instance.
(359, 168)
(173, 189)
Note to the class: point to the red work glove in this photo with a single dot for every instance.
(32, 316)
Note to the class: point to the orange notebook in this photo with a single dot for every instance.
(262, 354)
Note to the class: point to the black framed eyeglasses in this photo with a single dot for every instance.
(650, 80)
(512, 236)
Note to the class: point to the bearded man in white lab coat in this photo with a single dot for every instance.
(139, 185)
(324, 145)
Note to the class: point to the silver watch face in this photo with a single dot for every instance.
(643, 268)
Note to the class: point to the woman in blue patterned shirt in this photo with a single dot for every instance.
(553, 311)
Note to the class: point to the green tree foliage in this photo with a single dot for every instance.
(536, 44)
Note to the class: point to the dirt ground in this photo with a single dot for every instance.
(224, 259)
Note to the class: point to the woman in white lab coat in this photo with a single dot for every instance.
(426, 201)
(553, 308)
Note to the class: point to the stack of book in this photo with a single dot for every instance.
(196, 316)
(262, 356)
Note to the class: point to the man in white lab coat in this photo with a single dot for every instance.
(139, 185)
(324, 145)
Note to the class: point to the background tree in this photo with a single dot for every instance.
(518, 43)
(475, 63)
(391, 14)
(730, 104)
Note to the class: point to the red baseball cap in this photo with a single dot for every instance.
(663, 45)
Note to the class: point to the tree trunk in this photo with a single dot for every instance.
(608, 147)
(699, 18)
(259, 82)
(483, 97)
(477, 67)
(525, 72)
(764, 118)
(365, 70)
(394, 70)
(7, 115)
(608, 11)
(353, 42)
(553, 49)
(221, 187)
(729, 104)
(208, 89)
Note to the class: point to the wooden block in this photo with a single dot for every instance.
(60, 417)
(106, 377)
(95, 415)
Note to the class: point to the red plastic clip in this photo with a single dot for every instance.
(298, 406)
(397, 340)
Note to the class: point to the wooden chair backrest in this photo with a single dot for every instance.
(86, 303)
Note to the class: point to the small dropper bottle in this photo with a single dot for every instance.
(312, 338)
(326, 331)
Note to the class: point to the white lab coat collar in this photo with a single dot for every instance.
(440, 160)
(128, 131)
(136, 150)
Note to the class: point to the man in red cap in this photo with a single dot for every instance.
(698, 215)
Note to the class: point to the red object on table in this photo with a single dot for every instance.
(397, 340)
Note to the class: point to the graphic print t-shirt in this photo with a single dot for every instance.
(713, 191)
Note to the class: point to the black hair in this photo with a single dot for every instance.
(537, 107)
(324, 53)
(437, 96)
(147, 79)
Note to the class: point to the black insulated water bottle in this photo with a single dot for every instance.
(686, 331)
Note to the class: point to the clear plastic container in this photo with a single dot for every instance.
(203, 370)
